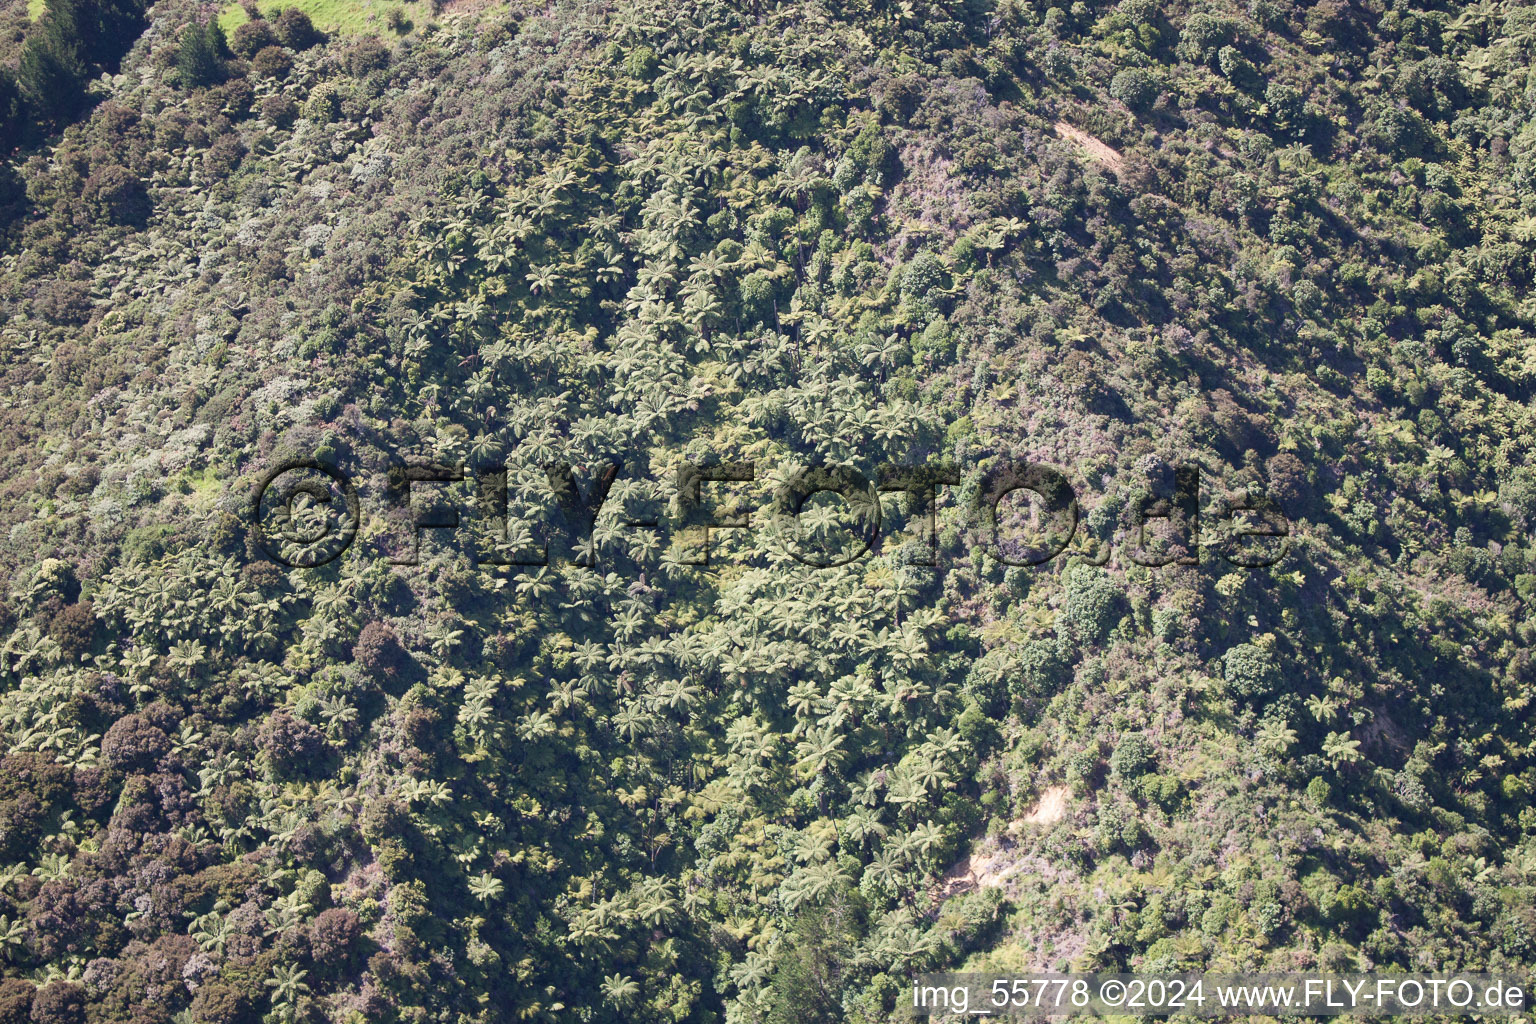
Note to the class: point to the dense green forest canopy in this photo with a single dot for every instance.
(1287, 244)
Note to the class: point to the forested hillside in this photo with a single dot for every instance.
(1289, 245)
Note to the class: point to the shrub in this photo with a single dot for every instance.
(1269, 14)
(134, 744)
(1204, 35)
(1306, 297)
(271, 62)
(53, 577)
(238, 97)
(1318, 792)
(295, 29)
(1137, 88)
(1250, 670)
(12, 112)
(74, 629)
(1401, 130)
(922, 276)
(1140, 12)
(1092, 604)
(223, 156)
(1517, 496)
(1286, 105)
(323, 105)
(16, 1001)
(291, 745)
(1288, 483)
(1238, 70)
(333, 936)
(224, 1004)
(988, 680)
(63, 302)
(1083, 767)
(1133, 756)
(642, 63)
(378, 652)
(117, 122)
(30, 786)
(757, 294)
(1433, 87)
(115, 195)
(226, 534)
(1042, 669)
(59, 1002)
(251, 38)
(367, 54)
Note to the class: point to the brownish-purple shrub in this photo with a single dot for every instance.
(221, 1003)
(238, 96)
(30, 784)
(223, 156)
(59, 1002)
(291, 745)
(74, 629)
(93, 790)
(367, 54)
(271, 62)
(16, 1000)
(115, 195)
(251, 38)
(279, 111)
(295, 29)
(333, 937)
(1288, 483)
(134, 744)
(379, 653)
(63, 302)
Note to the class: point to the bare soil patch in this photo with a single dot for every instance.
(1093, 147)
(1051, 808)
(992, 864)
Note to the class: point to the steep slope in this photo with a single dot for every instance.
(1287, 246)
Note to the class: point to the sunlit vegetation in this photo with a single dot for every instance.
(384, 18)
(1288, 243)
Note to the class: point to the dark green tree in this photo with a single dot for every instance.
(815, 964)
(201, 57)
(13, 112)
(52, 75)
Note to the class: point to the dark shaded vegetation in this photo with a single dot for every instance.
(55, 59)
